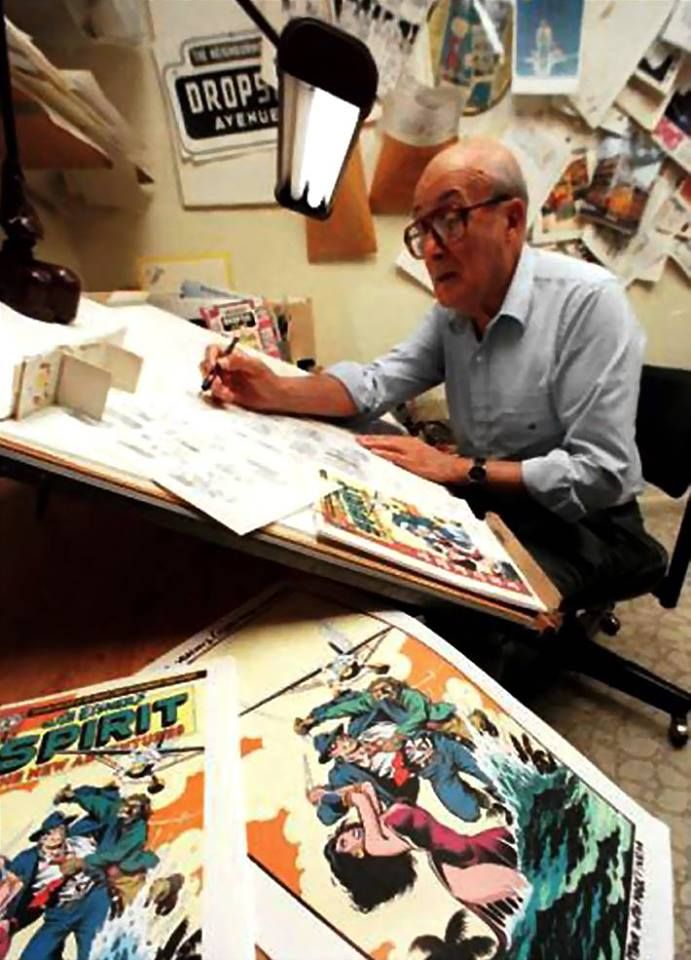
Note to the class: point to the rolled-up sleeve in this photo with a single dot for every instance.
(415, 365)
(595, 392)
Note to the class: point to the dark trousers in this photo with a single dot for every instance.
(607, 556)
(604, 556)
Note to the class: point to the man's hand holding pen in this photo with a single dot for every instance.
(235, 377)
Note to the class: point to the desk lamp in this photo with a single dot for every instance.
(327, 84)
(44, 291)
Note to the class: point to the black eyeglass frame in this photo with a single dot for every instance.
(428, 220)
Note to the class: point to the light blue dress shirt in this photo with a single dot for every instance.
(553, 383)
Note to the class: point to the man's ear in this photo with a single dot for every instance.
(516, 214)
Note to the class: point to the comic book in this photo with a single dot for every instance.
(452, 546)
(121, 825)
(402, 806)
(625, 170)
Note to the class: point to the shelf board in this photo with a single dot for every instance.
(44, 145)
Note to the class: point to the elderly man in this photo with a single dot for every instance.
(540, 356)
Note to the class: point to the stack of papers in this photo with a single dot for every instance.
(74, 102)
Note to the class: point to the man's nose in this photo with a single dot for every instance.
(431, 247)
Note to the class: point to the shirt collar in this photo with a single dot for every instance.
(519, 295)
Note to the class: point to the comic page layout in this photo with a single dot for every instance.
(112, 827)
(401, 806)
(453, 547)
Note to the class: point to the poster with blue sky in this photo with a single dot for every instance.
(547, 46)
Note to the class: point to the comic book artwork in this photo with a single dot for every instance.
(470, 46)
(625, 171)
(559, 220)
(547, 47)
(112, 846)
(454, 546)
(401, 806)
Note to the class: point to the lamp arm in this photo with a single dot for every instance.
(8, 124)
(17, 216)
(43, 291)
(260, 20)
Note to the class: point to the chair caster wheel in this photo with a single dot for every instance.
(678, 732)
(610, 624)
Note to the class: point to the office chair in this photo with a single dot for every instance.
(663, 435)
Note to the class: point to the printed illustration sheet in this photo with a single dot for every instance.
(121, 833)
(547, 47)
(399, 803)
(445, 542)
(625, 171)
(608, 25)
(673, 131)
(559, 219)
(470, 47)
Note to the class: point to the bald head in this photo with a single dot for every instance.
(470, 211)
(479, 164)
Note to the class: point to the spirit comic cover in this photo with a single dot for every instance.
(401, 806)
(458, 550)
(121, 836)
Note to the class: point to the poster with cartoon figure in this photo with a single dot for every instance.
(114, 842)
(401, 806)
(470, 46)
(547, 46)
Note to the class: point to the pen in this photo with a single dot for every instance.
(209, 378)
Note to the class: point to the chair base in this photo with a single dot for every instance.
(581, 654)
(678, 732)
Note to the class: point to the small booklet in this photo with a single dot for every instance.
(453, 546)
(121, 822)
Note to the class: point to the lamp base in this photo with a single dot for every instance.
(43, 291)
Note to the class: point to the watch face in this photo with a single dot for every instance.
(477, 473)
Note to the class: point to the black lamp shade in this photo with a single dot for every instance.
(327, 86)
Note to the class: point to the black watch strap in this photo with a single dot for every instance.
(478, 472)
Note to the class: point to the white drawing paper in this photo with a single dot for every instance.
(614, 40)
(415, 269)
(235, 476)
(678, 28)
(680, 252)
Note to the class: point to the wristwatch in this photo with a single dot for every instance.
(478, 472)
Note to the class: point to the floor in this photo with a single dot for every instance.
(89, 574)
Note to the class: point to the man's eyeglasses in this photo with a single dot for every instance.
(447, 223)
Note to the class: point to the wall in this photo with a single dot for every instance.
(361, 308)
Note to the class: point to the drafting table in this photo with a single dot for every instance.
(27, 455)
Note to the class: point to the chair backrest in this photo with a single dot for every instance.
(663, 428)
